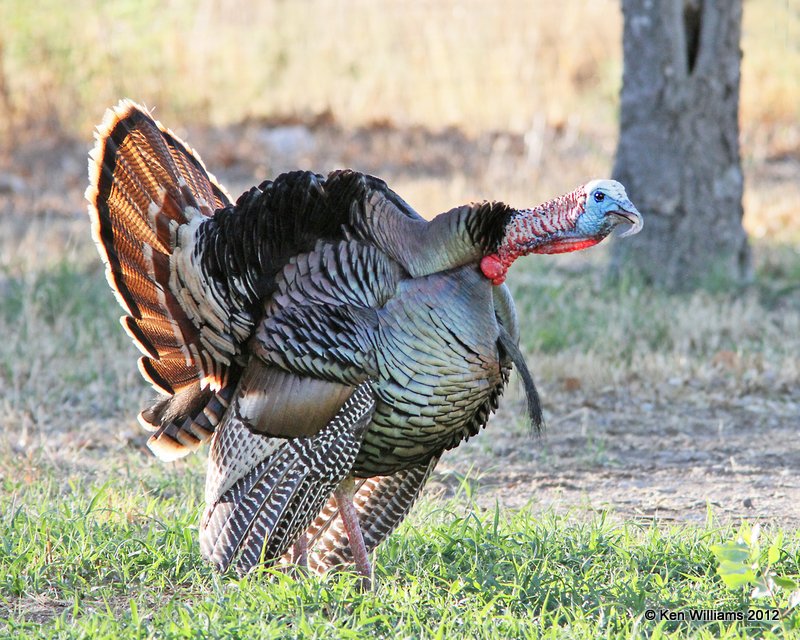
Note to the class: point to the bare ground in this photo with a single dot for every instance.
(675, 459)
(641, 451)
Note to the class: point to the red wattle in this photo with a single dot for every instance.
(566, 246)
(493, 269)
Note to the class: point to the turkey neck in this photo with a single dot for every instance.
(452, 239)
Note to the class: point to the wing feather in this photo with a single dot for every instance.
(263, 491)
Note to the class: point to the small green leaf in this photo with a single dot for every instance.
(774, 552)
(735, 574)
(785, 583)
(794, 599)
(734, 552)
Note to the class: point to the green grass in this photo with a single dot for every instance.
(572, 314)
(117, 559)
(64, 291)
(69, 352)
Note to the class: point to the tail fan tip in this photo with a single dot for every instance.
(123, 110)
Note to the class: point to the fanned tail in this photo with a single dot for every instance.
(261, 514)
(144, 185)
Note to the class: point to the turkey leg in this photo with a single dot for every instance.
(300, 552)
(344, 499)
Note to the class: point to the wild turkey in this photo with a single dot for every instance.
(326, 339)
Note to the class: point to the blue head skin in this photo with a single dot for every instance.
(607, 205)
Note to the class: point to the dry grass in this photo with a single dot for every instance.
(477, 65)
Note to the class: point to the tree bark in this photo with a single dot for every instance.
(678, 154)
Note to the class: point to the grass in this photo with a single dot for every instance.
(573, 320)
(612, 333)
(423, 62)
(116, 559)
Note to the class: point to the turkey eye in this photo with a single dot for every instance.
(599, 196)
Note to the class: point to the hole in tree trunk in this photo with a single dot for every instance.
(692, 17)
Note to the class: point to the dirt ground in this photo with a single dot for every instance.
(641, 453)
(670, 459)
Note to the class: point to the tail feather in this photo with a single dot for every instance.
(144, 185)
(185, 421)
(260, 515)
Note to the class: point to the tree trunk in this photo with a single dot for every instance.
(678, 154)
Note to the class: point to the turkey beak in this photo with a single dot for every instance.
(630, 215)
